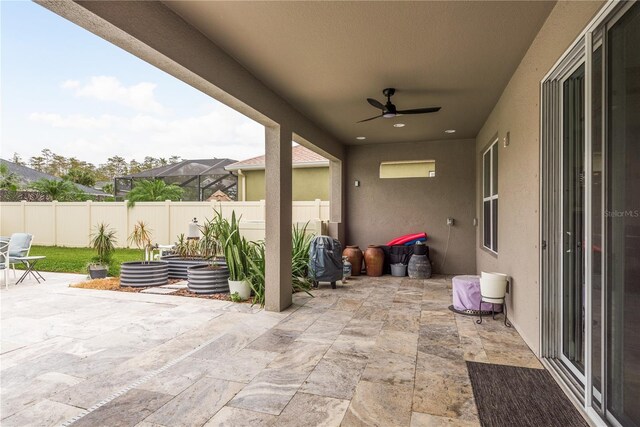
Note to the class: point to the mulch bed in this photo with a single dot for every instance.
(108, 284)
(113, 284)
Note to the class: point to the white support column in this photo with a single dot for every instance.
(278, 218)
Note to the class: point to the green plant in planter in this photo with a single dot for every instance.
(186, 248)
(300, 244)
(234, 246)
(255, 274)
(255, 255)
(141, 237)
(209, 245)
(103, 241)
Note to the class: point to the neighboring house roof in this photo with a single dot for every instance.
(186, 168)
(301, 157)
(28, 175)
(219, 196)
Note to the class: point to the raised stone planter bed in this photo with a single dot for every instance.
(144, 273)
(178, 265)
(208, 279)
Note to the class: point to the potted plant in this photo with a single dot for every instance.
(235, 248)
(143, 273)
(186, 254)
(213, 277)
(103, 241)
(141, 237)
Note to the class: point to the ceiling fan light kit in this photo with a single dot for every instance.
(389, 110)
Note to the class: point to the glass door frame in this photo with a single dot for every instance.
(575, 66)
(581, 390)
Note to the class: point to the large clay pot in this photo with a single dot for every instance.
(374, 260)
(354, 255)
(419, 267)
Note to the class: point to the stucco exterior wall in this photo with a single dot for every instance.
(308, 184)
(381, 209)
(518, 112)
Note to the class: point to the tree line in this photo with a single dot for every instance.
(86, 173)
(73, 171)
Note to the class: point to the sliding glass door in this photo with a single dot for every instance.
(590, 217)
(623, 218)
(573, 220)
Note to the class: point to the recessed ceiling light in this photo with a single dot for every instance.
(398, 125)
(361, 137)
(450, 131)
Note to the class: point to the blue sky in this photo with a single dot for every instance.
(65, 89)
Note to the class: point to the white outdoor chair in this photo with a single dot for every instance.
(493, 289)
(4, 261)
(19, 246)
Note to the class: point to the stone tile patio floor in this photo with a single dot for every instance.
(376, 351)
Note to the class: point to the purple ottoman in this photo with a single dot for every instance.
(466, 295)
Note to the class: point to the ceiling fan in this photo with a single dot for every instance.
(389, 110)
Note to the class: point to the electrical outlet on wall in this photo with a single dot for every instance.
(450, 221)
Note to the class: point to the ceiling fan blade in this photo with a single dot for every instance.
(420, 110)
(379, 105)
(366, 120)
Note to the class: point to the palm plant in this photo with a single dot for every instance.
(103, 241)
(141, 237)
(154, 190)
(55, 189)
(8, 179)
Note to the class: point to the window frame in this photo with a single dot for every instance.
(426, 163)
(493, 172)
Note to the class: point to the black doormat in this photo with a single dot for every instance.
(510, 396)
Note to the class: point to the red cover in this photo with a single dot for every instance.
(406, 238)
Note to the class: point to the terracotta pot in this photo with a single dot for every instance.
(354, 255)
(374, 260)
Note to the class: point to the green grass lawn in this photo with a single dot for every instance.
(75, 260)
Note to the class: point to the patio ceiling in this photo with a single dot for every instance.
(326, 58)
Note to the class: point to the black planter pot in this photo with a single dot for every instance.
(420, 249)
(178, 265)
(144, 273)
(207, 279)
(98, 271)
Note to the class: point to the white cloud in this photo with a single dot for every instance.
(139, 97)
(70, 84)
(74, 121)
(219, 132)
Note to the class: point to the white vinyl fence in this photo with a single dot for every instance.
(71, 223)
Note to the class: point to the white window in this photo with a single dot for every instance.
(490, 198)
(408, 169)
